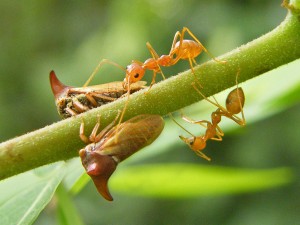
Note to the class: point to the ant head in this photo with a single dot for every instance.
(235, 101)
(134, 72)
(189, 141)
(195, 143)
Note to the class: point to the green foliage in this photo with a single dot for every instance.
(195, 192)
(192, 180)
(67, 213)
(23, 197)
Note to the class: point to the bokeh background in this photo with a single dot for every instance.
(72, 37)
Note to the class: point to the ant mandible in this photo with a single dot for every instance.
(234, 105)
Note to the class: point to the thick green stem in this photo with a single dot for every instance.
(60, 141)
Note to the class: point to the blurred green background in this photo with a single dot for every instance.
(72, 37)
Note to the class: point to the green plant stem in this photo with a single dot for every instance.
(60, 141)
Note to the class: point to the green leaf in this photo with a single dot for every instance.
(190, 180)
(67, 213)
(76, 178)
(74, 171)
(24, 196)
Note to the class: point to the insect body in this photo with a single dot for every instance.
(71, 101)
(234, 105)
(111, 146)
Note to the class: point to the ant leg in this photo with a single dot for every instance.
(219, 134)
(192, 68)
(207, 99)
(177, 51)
(176, 36)
(185, 29)
(203, 123)
(202, 155)
(171, 116)
(107, 128)
(123, 111)
(103, 61)
(152, 51)
(152, 82)
(155, 56)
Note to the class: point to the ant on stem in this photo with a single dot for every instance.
(234, 105)
(184, 49)
(181, 49)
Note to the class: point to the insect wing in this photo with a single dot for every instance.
(132, 136)
(108, 87)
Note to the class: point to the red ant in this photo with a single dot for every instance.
(182, 49)
(234, 105)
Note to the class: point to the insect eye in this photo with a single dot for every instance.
(192, 142)
(136, 75)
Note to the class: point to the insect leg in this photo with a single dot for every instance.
(79, 107)
(185, 29)
(107, 129)
(202, 155)
(71, 112)
(93, 135)
(155, 56)
(103, 61)
(193, 71)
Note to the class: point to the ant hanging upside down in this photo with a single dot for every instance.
(234, 105)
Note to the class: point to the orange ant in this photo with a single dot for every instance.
(182, 49)
(234, 105)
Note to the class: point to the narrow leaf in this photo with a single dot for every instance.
(24, 196)
(189, 180)
(67, 212)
